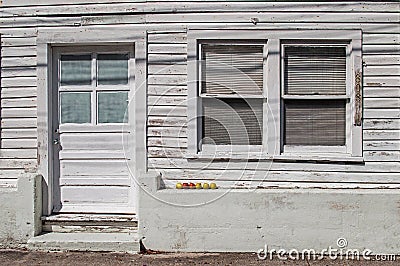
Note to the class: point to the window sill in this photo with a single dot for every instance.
(316, 158)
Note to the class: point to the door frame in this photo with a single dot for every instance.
(57, 127)
(48, 39)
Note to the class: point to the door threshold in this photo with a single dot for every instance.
(90, 223)
(80, 217)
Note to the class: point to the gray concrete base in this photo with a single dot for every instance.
(247, 220)
(20, 211)
(113, 242)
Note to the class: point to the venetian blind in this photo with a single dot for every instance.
(232, 121)
(315, 70)
(232, 69)
(315, 122)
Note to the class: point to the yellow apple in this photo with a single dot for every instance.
(213, 186)
(179, 185)
(206, 186)
(198, 186)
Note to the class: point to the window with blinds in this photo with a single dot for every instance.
(231, 94)
(309, 73)
(232, 122)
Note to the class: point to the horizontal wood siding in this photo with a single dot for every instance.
(18, 152)
(167, 24)
(167, 132)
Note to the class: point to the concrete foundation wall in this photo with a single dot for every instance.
(246, 220)
(20, 212)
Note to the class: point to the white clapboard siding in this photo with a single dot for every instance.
(13, 72)
(180, 90)
(19, 102)
(382, 134)
(166, 59)
(178, 110)
(382, 102)
(167, 121)
(92, 167)
(167, 37)
(219, 17)
(10, 3)
(175, 48)
(38, 21)
(160, 152)
(18, 143)
(7, 174)
(373, 59)
(381, 123)
(167, 142)
(167, 80)
(380, 38)
(268, 165)
(93, 141)
(382, 81)
(89, 194)
(26, 153)
(17, 41)
(18, 163)
(94, 154)
(166, 132)
(167, 100)
(23, 61)
(167, 22)
(94, 181)
(18, 133)
(293, 176)
(380, 145)
(18, 32)
(385, 156)
(25, 8)
(19, 112)
(18, 51)
(225, 186)
(19, 82)
(378, 70)
(381, 92)
(162, 69)
(382, 113)
(18, 123)
(381, 49)
(18, 92)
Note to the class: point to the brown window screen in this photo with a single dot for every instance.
(315, 122)
(315, 70)
(232, 121)
(232, 69)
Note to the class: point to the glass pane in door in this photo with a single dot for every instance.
(76, 70)
(75, 107)
(112, 107)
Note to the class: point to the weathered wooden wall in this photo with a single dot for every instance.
(167, 24)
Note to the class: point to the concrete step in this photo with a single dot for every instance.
(111, 242)
(90, 223)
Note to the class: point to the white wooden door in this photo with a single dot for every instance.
(91, 132)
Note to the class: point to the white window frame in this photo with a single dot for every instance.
(209, 148)
(272, 91)
(299, 149)
(94, 88)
